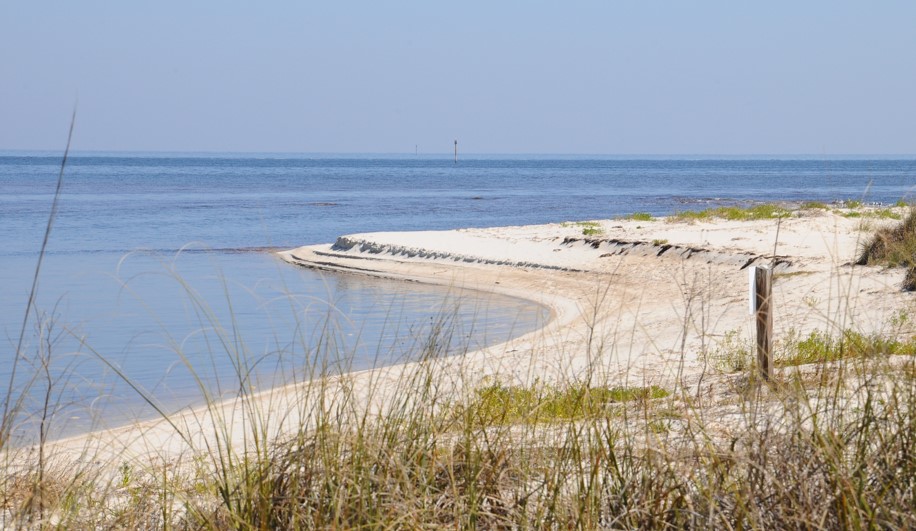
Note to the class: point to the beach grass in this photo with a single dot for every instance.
(564, 455)
(498, 404)
(814, 205)
(589, 228)
(894, 246)
(639, 216)
(733, 213)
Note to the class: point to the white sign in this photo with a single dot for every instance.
(752, 290)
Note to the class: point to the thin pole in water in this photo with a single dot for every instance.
(456, 151)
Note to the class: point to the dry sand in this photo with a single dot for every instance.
(635, 302)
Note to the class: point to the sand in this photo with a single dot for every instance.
(632, 302)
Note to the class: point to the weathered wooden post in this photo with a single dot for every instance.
(761, 298)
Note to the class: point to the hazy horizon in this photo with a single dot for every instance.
(710, 78)
(471, 156)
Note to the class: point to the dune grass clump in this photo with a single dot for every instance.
(498, 404)
(735, 213)
(589, 228)
(819, 347)
(639, 216)
(735, 353)
(814, 205)
(886, 213)
(894, 247)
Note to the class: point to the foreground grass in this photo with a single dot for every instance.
(565, 455)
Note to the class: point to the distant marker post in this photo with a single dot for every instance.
(456, 151)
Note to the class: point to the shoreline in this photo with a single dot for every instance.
(629, 289)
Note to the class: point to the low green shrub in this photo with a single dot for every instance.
(820, 347)
(499, 404)
(735, 213)
(814, 205)
(639, 216)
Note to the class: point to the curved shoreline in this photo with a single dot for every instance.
(626, 314)
(158, 436)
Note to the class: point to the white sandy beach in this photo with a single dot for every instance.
(634, 302)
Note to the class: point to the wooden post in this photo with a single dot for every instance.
(763, 297)
(456, 152)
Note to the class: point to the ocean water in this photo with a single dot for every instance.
(157, 269)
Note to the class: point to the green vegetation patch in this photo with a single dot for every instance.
(819, 347)
(639, 216)
(734, 213)
(886, 213)
(589, 228)
(894, 247)
(736, 354)
(733, 353)
(499, 404)
(814, 205)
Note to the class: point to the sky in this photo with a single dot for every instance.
(578, 77)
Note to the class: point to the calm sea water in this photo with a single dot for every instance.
(156, 263)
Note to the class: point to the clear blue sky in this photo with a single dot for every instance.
(605, 77)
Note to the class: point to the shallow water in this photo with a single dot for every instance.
(155, 257)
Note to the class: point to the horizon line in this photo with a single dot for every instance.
(469, 155)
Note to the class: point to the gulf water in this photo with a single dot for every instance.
(158, 270)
